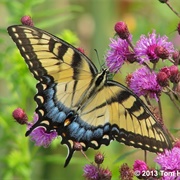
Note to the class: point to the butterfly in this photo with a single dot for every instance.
(81, 103)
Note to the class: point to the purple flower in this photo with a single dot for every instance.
(91, 172)
(117, 54)
(170, 176)
(169, 160)
(104, 174)
(39, 134)
(140, 166)
(126, 172)
(143, 82)
(35, 119)
(146, 47)
(41, 137)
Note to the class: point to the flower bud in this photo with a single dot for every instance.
(105, 174)
(20, 116)
(131, 58)
(99, 158)
(122, 30)
(81, 50)
(77, 146)
(174, 74)
(27, 20)
(161, 52)
(173, 70)
(162, 79)
(126, 172)
(176, 57)
(166, 70)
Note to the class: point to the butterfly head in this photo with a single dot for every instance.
(109, 75)
(101, 78)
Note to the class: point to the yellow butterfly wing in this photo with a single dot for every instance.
(80, 103)
(131, 122)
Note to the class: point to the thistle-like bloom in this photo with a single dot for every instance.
(126, 173)
(118, 53)
(91, 172)
(140, 166)
(169, 160)
(144, 82)
(104, 174)
(147, 48)
(40, 136)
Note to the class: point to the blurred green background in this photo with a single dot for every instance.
(88, 24)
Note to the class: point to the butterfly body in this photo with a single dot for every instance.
(79, 102)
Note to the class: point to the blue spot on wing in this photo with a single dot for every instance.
(59, 117)
(80, 133)
(73, 129)
(106, 128)
(88, 135)
(49, 106)
(52, 112)
(98, 133)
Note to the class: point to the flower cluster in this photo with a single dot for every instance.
(126, 173)
(153, 47)
(144, 81)
(118, 54)
(152, 78)
(169, 160)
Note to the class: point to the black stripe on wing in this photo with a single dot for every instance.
(156, 139)
(41, 50)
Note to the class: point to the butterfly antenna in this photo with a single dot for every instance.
(97, 54)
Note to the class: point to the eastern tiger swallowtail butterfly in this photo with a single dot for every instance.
(79, 102)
